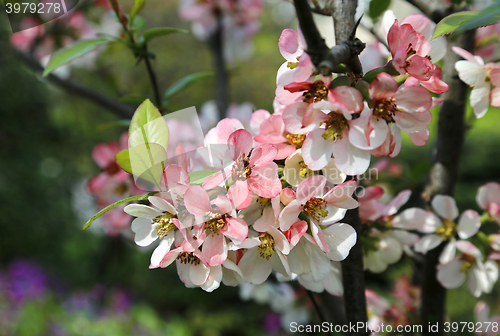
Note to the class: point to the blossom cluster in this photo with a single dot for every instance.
(238, 22)
(354, 121)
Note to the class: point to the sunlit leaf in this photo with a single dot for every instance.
(148, 126)
(184, 82)
(146, 161)
(153, 33)
(199, 177)
(114, 205)
(461, 21)
(71, 52)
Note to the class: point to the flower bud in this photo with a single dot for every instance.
(287, 195)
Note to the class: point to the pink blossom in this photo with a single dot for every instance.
(474, 72)
(220, 222)
(488, 199)
(252, 172)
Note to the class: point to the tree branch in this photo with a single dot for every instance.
(353, 277)
(444, 175)
(324, 59)
(216, 44)
(118, 108)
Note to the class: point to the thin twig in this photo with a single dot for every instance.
(216, 44)
(153, 80)
(318, 309)
(120, 109)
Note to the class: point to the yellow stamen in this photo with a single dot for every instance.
(266, 247)
(165, 224)
(188, 258)
(448, 230)
(241, 168)
(315, 208)
(296, 139)
(335, 126)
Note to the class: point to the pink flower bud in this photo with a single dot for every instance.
(287, 195)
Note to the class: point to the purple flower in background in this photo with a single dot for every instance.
(272, 323)
(120, 302)
(25, 281)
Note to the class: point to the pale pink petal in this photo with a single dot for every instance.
(223, 203)
(397, 202)
(413, 122)
(289, 45)
(467, 55)
(317, 151)
(240, 194)
(448, 252)
(467, 247)
(341, 195)
(488, 194)
(197, 201)
(383, 87)
(480, 99)
(266, 221)
(450, 275)
(170, 257)
(319, 238)
(368, 133)
(162, 204)
(214, 251)
(340, 238)
(296, 232)
(236, 229)
(264, 181)
(421, 24)
(371, 193)
(280, 240)
(263, 155)
(417, 219)
(470, 73)
(104, 155)
(162, 249)
(257, 119)
(445, 207)
(145, 233)
(349, 159)
(141, 210)
(289, 215)
(216, 179)
(254, 268)
(198, 274)
(420, 138)
(413, 99)
(242, 140)
(468, 224)
(349, 97)
(495, 96)
(294, 114)
(310, 188)
(427, 243)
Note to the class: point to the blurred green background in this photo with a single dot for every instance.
(46, 138)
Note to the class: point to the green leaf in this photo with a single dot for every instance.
(146, 161)
(114, 205)
(159, 32)
(450, 23)
(184, 82)
(138, 5)
(488, 16)
(377, 8)
(148, 126)
(71, 52)
(199, 177)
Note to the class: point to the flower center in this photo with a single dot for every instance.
(264, 201)
(317, 92)
(315, 208)
(296, 139)
(165, 224)
(448, 230)
(241, 168)
(305, 171)
(468, 262)
(112, 168)
(216, 222)
(266, 247)
(385, 109)
(188, 258)
(334, 126)
(293, 65)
